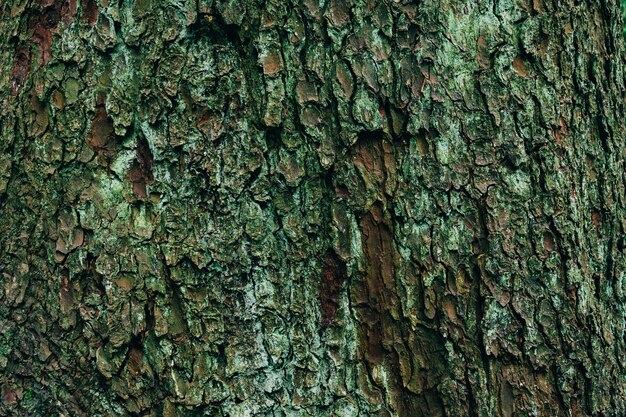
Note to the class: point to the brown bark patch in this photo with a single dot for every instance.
(333, 276)
(339, 13)
(596, 218)
(422, 143)
(548, 243)
(344, 78)
(519, 65)
(8, 395)
(373, 157)
(66, 295)
(563, 126)
(557, 137)
(140, 173)
(102, 138)
(482, 56)
(272, 63)
(376, 293)
(368, 154)
(379, 291)
(21, 68)
(307, 92)
(450, 309)
(44, 23)
(135, 358)
(560, 132)
(210, 124)
(90, 12)
(506, 399)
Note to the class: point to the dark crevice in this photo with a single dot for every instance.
(480, 315)
(473, 406)
(557, 390)
(273, 140)
(481, 252)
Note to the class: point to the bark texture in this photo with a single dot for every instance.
(312, 208)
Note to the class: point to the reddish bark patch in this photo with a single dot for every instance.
(102, 128)
(90, 12)
(333, 276)
(66, 295)
(596, 218)
(208, 123)
(140, 173)
(379, 292)
(560, 132)
(339, 13)
(102, 138)
(272, 63)
(548, 243)
(68, 11)
(44, 23)
(374, 159)
(135, 358)
(422, 143)
(519, 65)
(21, 68)
(482, 57)
(368, 154)
(8, 396)
(563, 126)
(376, 295)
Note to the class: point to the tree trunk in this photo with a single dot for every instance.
(334, 208)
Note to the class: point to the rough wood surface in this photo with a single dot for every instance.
(312, 208)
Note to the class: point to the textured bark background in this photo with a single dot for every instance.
(312, 208)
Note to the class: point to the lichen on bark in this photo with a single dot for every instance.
(346, 207)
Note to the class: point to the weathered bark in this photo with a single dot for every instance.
(344, 207)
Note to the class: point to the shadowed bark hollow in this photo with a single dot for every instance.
(296, 208)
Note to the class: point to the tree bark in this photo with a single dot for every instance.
(333, 208)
